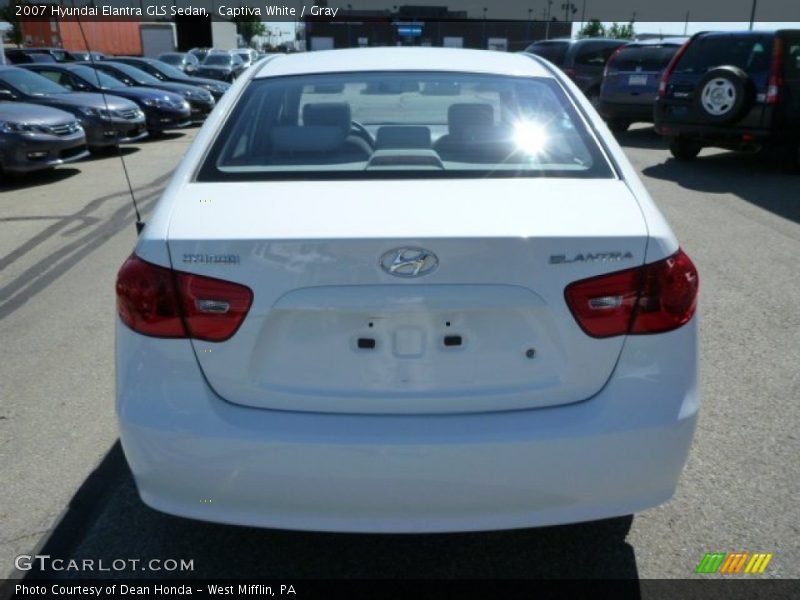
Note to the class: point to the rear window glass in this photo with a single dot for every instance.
(554, 52)
(750, 53)
(217, 59)
(643, 58)
(595, 55)
(391, 125)
(792, 53)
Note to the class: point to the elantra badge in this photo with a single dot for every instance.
(409, 262)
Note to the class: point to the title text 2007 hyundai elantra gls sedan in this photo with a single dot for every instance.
(406, 290)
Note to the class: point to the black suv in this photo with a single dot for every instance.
(733, 90)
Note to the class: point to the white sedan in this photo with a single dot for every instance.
(406, 290)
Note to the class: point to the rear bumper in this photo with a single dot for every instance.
(759, 126)
(195, 455)
(634, 112)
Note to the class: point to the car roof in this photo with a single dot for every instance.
(579, 41)
(403, 59)
(756, 32)
(143, 59)
(667, 41)
(35, 49)
(110, 63)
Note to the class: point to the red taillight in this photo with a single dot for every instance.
(160, 302)
(775, 73)
(652, 298)
(610, 60)
(662, 86)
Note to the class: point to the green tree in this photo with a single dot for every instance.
(249, 26)
(621, 31)
(9, 14)
(593, 28)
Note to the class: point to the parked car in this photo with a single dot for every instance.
(184, 61)
(36, 138)
(168, 73)
(29, 55)
(80, 55)
(733, 90)
(162, 110)
(201, 102)
(583, 60)
(221, 66)
(630, 81)
(108, 120)
(524, 355)
(22, 58)
(248, 56)
(200, 53)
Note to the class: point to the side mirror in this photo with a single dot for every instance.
(7, 94)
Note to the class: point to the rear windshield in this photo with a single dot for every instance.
(751, 53)
(555, 52)
(643, 58)
(217, 59)
(596, 54)
(403, 124)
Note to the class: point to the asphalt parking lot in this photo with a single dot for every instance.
(66, 489)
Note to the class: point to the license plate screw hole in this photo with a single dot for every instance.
(452, 340)
(366, 343)
(530, 353)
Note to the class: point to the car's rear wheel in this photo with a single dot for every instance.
(618, 125)
(683, 149)
(791, 163)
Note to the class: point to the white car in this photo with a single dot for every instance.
(406, 290)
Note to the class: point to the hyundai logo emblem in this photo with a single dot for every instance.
(409, 262)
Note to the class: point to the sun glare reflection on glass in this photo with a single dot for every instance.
(530, 137)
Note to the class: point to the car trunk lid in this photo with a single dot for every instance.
(331, 330)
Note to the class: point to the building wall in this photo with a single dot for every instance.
(41, 33)
(109, 37)
(354, 31)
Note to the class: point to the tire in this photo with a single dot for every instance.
(724, 95)
(791, 163)
(618, 125)
(683, 149)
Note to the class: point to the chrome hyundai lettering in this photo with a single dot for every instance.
(212, 259)
(561, 259)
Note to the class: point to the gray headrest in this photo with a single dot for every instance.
(332, 114)
(401, 136)
(461, 116)
(308, 138)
